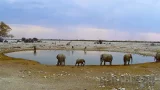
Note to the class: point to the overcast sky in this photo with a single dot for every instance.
(83, 19)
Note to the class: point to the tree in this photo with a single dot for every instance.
(4, 30)
(23, 39)
(100, 41)
(35, 39)
(11, 36)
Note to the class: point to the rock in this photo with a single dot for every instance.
(117, 79)
(103, 86)
(29, 72)
(114, 89)
(45, 76)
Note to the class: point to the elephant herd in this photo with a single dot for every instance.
(103, 59)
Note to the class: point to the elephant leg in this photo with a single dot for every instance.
(64, 62)
(57, 63)
(110, 63)
(78, 64)
(101, 63)
(61, 63)
(128, 62)
(124, 62)
(104, 63)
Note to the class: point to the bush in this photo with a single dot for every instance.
(23, 39)
(1, 39)
(35, 39)
(5, 41)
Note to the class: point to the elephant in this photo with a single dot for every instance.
(127, 58)
(80, 61)
(157, 57)
(61, 59)
(106, 58)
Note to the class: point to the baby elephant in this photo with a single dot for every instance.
(80, 61)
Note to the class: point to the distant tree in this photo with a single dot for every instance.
(18, 41)
(26, 40)
(152, 44)
(35, 39)
(4, 30)
(11, 36)
(100, 41)
(39, 41)
(30, 40)
(23, 39)
(6, 41)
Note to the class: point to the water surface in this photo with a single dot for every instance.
(48, 57)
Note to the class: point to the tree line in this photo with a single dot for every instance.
(30, 40)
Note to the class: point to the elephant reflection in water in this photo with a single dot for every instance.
(85, 52)
(34, 48)
(68, 53)
(35, 53)
(72, 52)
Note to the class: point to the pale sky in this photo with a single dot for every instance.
(83, 19)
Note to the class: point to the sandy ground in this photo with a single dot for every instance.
(19, 74)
